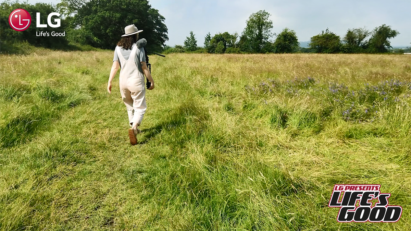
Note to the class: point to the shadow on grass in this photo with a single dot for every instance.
(187, 112)
(23, 127)
(150, 133)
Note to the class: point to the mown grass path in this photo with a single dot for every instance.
(248, 142)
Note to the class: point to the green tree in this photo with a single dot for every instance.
(220, 49)
(257, 33)
(190, 43)
(379, 41)
(207, 40)
(227, 41)
(231, 39)
(286, 42)
(245, 44)
(179, 49)
(217, 38)
(326, 42)
(104, 21)
(232, 44)
(354, 40)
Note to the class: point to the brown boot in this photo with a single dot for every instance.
(132, 136)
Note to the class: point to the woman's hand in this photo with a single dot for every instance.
(109, 87)
(114, 68)
(147, 73)
(151, 86)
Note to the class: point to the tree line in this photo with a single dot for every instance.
(100, 24)
(257, 34)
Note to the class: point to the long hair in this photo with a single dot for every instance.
(127, 42)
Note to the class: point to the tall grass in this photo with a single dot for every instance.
(247, 142)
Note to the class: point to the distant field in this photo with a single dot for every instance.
(245, 142)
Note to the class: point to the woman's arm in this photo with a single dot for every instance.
(147, 74)
(113, 73)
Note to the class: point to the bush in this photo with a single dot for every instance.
(200, 50)
(326, 42)
(398, 51)
(176, 49)
(220, 48)
(286, 42)
(233, 50)
(11, 47)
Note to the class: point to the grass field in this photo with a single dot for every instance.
(229, 142)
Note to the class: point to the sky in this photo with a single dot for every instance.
(306, 18)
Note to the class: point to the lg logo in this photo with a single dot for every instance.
(20, 20)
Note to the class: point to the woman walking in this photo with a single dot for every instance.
(132, 62)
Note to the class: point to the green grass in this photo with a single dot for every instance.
(229, 142)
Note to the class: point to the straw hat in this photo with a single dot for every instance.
(130, 30)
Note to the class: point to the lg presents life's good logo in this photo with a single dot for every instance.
(362, 203)
(20, 20)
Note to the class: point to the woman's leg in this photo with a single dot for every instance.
(128, 101)
(130, 116)
(139, 106)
